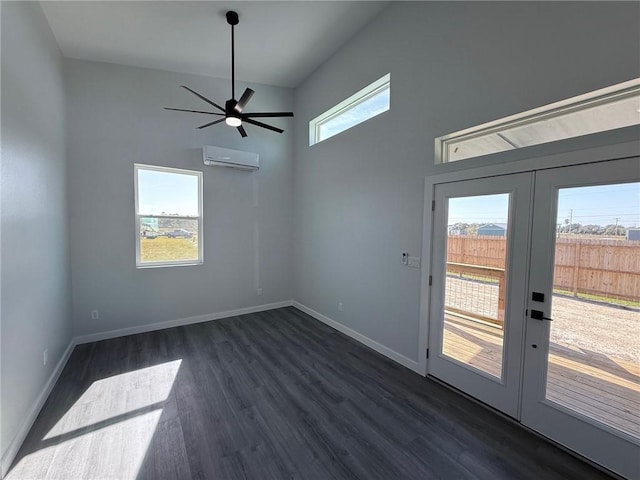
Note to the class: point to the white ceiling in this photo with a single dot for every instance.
(277, 43)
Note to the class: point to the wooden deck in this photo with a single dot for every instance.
(596, 385)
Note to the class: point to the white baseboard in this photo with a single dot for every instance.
(122, 332)
(386, 351)
(12, 450)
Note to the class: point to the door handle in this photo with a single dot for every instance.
(538, 315)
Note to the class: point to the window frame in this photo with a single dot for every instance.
(578, 103)
(383, 83)
(138, 216)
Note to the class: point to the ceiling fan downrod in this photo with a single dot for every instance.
(233, 20)
(233, 113)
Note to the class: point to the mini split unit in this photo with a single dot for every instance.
(225, 157)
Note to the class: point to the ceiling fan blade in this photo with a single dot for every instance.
(192, 111)
(204, 98)
(209, 124)
(242, 131)
(268, 114)
(263, 125)
(244, 99)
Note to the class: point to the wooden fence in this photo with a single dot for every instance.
(609, 268)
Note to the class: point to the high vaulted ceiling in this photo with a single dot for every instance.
(277, 43)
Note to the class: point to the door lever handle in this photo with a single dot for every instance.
(538, 315)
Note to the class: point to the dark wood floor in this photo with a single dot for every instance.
(268, 395)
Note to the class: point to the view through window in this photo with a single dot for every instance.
(594, 350)
(475, 285)
(372, 100)
(594, 353)
(168, 216)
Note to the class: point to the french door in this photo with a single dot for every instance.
(535, 302)
(478, 292)
(581, 381)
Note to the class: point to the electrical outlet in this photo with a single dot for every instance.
(259, 290)
(414, 262)
(339, 306)
(45, 356)
(95, 314)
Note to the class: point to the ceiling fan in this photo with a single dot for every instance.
(233, 112)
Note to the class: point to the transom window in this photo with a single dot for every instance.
(168, 216)
(372, 100)
(609, 108)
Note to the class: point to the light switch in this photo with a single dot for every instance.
(414, 262)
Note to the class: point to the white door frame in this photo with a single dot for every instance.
(503, 392)
(578, 157)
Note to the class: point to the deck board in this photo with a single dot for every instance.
(603, 388)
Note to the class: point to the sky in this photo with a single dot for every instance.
(168, 193)
(365, 110)
(483, 209)
(593, 205)
(601, 205)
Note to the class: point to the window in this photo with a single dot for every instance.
(609, 108)
(168, 216)
(367, 103)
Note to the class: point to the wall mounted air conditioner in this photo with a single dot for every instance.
(225, 157)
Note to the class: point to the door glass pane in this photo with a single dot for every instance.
(475, 281)
(594, 351)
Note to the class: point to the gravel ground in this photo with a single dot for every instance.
(578, 324)
(610, 331)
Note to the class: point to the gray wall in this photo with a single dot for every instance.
(359, 195)
(35, 262)
(116, 119)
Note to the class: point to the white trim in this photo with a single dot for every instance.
(13, 448)
(386, 351)
(150, 327)
(380, 85)
(425, 273)
(542, 162)
(582, 102)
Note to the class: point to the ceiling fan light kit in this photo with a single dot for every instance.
(233, 112)
(233, 121)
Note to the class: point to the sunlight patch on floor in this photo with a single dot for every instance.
(107, 431)
(118, 395)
